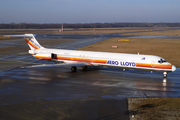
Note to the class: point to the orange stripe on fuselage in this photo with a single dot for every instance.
(30, 43)
(82, 60)
(43, 57)
(158, 66)
(74, 59)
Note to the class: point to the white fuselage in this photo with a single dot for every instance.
(125, 61)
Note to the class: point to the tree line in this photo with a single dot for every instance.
(83, 25)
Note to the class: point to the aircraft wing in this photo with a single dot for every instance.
(77, 64)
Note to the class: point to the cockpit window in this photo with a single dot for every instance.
(162, 60)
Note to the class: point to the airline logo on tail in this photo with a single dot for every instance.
(31, 42)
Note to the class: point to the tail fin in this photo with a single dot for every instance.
(32, 42)
(30, 39)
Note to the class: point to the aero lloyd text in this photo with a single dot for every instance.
(130, 64)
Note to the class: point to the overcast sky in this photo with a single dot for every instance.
(89, 11)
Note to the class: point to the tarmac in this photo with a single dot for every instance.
(57, 93)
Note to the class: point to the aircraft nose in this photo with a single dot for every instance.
(173, 68)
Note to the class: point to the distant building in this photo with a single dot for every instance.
(61, 30)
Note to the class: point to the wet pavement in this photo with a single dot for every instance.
(60, 83)
(99, 87)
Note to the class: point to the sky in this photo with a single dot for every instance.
(89, 11)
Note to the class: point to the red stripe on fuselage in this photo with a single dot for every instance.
(158, 66)
(43, 57)
(82, 59)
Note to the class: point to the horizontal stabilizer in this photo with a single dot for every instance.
(24, 35)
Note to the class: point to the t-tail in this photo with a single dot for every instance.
(30, 39)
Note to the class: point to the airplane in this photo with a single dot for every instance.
(77, 58)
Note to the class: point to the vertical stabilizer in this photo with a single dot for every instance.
(32, 42)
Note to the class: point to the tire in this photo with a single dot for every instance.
(73, 68)
(84, 68)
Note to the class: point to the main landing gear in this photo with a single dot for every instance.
(74, 68)
(84, 68)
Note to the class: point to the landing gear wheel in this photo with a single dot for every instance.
(165, 74)
(84, 68)
(73, 68)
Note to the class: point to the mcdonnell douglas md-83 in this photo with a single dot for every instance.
(76, 58)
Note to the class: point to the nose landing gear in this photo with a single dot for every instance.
(165, 74)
